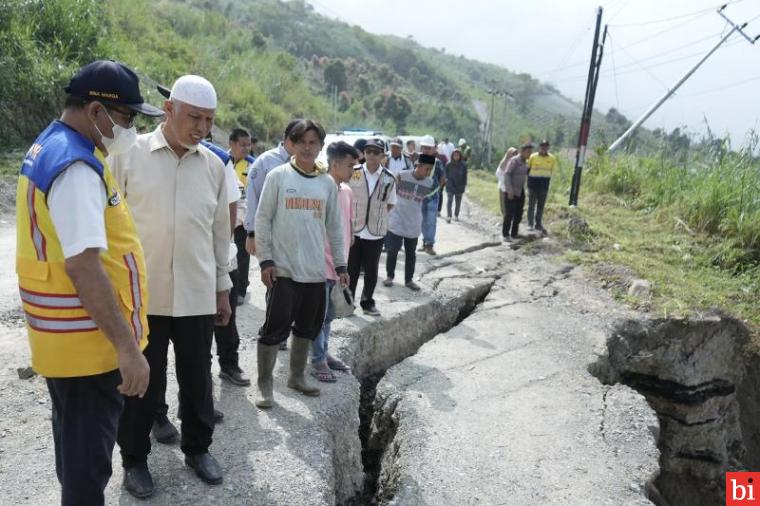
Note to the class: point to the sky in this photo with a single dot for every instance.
(651, 44)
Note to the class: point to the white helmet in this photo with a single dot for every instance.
(462, 142)
(427, 141)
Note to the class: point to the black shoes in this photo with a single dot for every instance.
(138, 481)
(235, 376)
(164, 430)
(206, 467)
(371, 311)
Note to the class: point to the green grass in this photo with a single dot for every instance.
(683, 265)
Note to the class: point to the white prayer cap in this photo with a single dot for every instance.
(194, 90)
(427, 141)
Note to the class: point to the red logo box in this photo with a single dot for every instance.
(742, 489)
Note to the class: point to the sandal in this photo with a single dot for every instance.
(336, 364)
(323, 373)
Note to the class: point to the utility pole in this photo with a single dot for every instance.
(597, 50)
(671, 91)
(489, 127)
(488, 134)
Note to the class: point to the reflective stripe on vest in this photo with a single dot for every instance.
(50, 300)
(60, 325)
(134, 285)
(37, 238)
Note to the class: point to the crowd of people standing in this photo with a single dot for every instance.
(129, 242)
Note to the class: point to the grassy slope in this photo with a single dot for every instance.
(677, 262)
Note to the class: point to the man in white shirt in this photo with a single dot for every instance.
(398, 161)
(446, 148)
(176, 190)
(374, 195)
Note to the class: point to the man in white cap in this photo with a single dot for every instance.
(398, 161)
(465, 149)
(176, 190)
(430, 204)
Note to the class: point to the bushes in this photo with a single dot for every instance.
(42, 44)
(716, 196)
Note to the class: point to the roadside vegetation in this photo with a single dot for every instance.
(689, 226)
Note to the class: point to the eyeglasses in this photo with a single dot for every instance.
(129, 115)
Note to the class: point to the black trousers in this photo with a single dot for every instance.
(536, 204)
(364, 254)
(458, 198)
(393, 243)
(227, 344)
(293, 306)
(243, 262)
(86, 414)
(513, 211)
(227, 337)
(191, 336)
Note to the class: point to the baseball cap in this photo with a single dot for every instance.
(462, 142)
(112, 83)
(544, 143)
(374, 143)
(527, 145)
(397, 142)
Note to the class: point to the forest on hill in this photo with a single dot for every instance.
(272, 60)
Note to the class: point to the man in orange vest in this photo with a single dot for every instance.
(81, 274)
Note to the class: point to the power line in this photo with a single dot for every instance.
(669, 51)
(571, 49)
(672, 18)
(630, 70)
(643, 67)
(666, 30)
(646, 58)
(721, 88)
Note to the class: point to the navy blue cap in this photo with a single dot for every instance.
(374, 143)
(360, 143)
(110, 82)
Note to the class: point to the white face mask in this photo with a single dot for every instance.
(123, 138)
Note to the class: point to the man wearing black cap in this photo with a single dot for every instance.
(81, 274)
(405, 221)
(541, 167)
(514, 181)
(374, 195)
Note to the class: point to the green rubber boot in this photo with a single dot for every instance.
(266, 357)
(299, 354)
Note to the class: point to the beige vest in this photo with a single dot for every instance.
(371, 210)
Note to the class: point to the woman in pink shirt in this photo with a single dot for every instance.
(341, 158)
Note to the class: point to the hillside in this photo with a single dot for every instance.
(271, 60)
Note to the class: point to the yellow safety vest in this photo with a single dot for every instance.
(241, 168)
(541, 166)
(64, 340)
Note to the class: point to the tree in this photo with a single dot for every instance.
(335, 74)
(393, 106)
